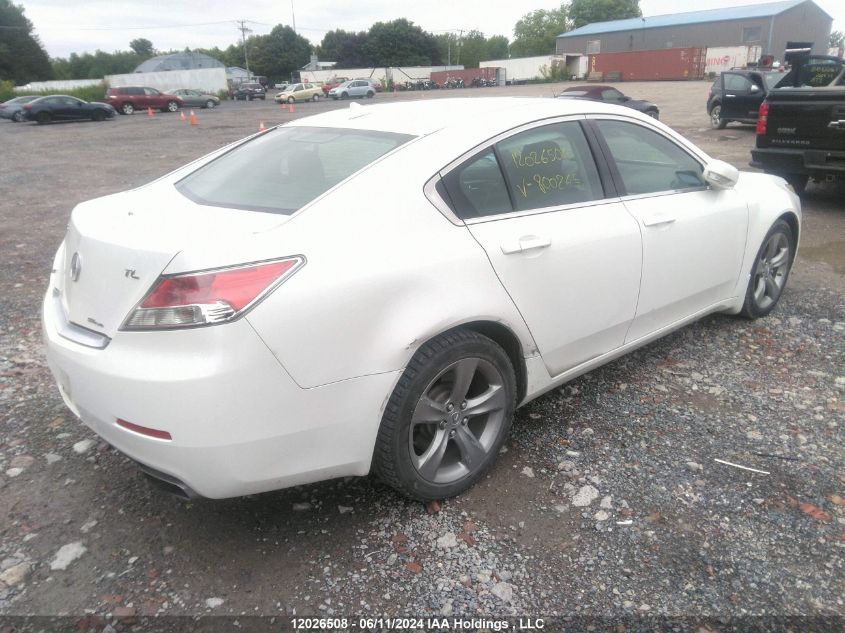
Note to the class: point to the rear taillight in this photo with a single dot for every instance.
(210, 296)
(762, 119)
(27, 107)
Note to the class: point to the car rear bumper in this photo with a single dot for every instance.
(239, 423)
(799, 161)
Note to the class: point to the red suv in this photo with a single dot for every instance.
(127, 99)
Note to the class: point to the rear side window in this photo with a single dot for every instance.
(550, 166)
(647, 161)
(285, 169)
(477, 188)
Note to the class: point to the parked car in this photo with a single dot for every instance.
(333, 83)
(282, 86)
(358, 88)
(261, 320)
(375, 83)
(127, 99)
(13, 108)
(736, 95)
(300, 92)
(609, 94)
(64, 108)
(801, 127)
(196, 99)
(248, 92)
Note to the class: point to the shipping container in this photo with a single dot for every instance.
(654, 65)
(722, 58)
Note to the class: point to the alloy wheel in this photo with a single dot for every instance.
(771, 270)
(457, 420)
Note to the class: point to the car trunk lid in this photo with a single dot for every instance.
(116, 247)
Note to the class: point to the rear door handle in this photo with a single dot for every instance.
(657, 219)
(837, 125)
(526, 243)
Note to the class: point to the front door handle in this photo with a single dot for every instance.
(526, 243)
(837, 125)
(657, 219)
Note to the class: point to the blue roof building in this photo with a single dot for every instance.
(772, 26)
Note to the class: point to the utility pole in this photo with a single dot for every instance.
(244, 29)
(460, 42)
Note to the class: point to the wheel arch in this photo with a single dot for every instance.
(505, 338)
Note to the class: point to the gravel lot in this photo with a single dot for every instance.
(607, 502)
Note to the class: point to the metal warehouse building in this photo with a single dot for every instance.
(770, 26)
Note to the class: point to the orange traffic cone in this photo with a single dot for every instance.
(261, 126)
(193, 118)
(291, 108)
(182, 115)
(149, 111)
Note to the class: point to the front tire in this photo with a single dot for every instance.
(210, 104)
(315, 98)
(127, 108)
(171, 106)
(770, 271)
(371, 94)
(98, 115)
(43, 117)
(447, 418)
(291, 100)
(716, 120)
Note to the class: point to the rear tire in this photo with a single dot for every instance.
(127, 108)
(171, 106)
(371, 94)
(447, 418)
(770, 271)
(716, 120)
(17, 117)
(210, 104)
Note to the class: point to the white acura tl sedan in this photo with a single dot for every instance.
(259, 319)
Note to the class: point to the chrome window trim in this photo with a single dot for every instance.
(430, 192)
(542, 210)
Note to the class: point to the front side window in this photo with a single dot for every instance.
(737, 83)
(285, 169)
(647, 161)
(611, 94)
(151, 92)
(550, 166)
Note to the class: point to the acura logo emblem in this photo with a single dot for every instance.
(75, 266)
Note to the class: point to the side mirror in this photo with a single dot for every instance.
(625, 99)
(720, 174)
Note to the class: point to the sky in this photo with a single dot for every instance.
(67, 26)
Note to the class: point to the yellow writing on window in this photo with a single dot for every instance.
(547, 184)
(543, 157)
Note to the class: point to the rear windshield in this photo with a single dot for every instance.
(286, 168)
(772, 79)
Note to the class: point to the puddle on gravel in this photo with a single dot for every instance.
(832, 253)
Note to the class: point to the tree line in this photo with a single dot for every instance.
(282, 51)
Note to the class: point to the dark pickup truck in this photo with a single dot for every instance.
(801, 124)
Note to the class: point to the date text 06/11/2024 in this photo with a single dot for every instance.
(416, 624)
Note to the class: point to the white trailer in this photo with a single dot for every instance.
(722, 58)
